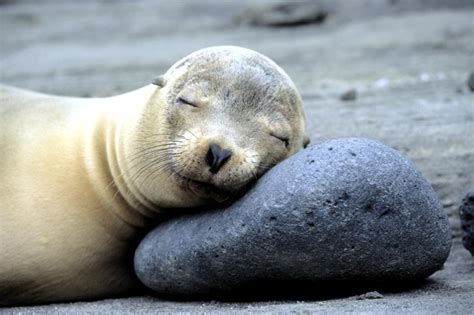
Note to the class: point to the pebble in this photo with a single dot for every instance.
(350, 95)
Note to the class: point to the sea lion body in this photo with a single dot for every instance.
(80, 178)
(64, 230)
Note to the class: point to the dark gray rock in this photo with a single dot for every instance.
(470, 81)
(349, 95)
(348, 209)
(285, 14)
(466, 212)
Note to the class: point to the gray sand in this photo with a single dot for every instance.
(449, 291)
(408, 63)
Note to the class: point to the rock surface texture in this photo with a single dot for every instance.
(347, 209)
(466, 211)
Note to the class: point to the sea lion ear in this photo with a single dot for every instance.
(159, 81)
(306, 141)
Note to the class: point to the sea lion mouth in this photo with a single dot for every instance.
(203, 189)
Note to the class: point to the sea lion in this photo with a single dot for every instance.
(81, 177)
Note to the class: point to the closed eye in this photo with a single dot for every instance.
(183, 101)
(284, 140)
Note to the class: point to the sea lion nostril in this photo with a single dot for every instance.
(216, 157)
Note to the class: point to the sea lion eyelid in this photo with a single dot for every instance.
(283, 139)
(183, 101)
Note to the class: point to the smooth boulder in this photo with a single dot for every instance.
(347, 209)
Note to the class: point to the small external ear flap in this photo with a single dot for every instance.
(159, 81)
(306, 141)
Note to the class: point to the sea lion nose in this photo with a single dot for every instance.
(216, 157)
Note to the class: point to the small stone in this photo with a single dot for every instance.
(382, 83)
(349, 95)
(369, 296)
(424, 77)
(466, 212)
(285, 14)
(470, 82)
(360, 212)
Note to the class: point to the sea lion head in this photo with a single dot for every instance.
(229, 115)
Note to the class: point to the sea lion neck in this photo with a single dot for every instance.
(104, 158)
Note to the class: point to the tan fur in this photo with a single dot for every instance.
(80, 178)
